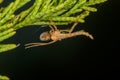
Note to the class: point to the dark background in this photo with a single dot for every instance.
(78, 56)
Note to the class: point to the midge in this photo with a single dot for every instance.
(56, 35)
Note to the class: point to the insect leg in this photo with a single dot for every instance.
(52, 29)
(29, 45)
(54, 26)
(82, 32)
(62, 31)
(72, 28)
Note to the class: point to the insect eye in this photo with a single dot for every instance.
(45, 36)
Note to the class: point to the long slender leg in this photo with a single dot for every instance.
(72, 28)
(63, 31)
(82, 32)
(54, 26)
(29, 45)
(52, 29)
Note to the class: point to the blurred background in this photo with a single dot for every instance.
(78, 56)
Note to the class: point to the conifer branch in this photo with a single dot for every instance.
(62, 12)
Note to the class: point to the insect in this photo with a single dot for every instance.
(57, 35)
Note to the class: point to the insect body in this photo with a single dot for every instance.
(59, 36)
(56, 35)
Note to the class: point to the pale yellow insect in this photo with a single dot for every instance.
(56, 35)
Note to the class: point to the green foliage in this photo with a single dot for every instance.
(4, 77)
(61, 12)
